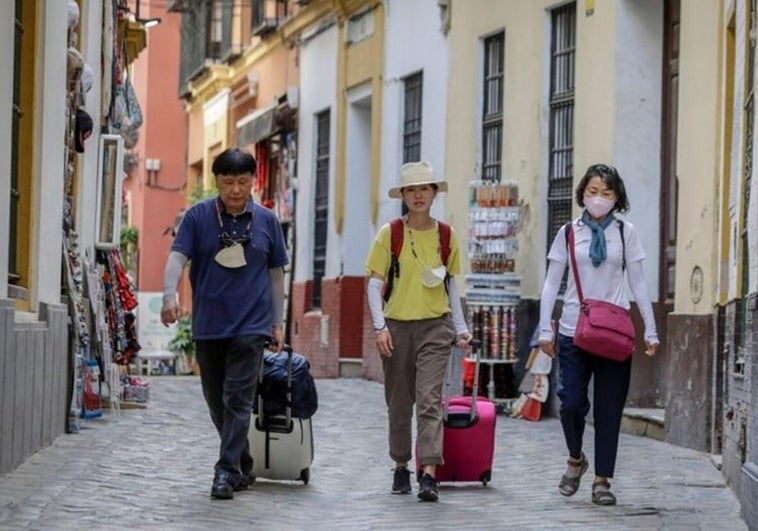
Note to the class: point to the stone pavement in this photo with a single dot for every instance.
(152, 469)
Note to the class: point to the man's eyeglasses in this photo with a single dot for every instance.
(228, 241)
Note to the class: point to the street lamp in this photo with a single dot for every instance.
(149, 22)
(146, 22)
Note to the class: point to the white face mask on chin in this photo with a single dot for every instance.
(232, 257)
(597, 206)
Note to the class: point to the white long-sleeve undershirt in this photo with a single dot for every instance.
(172, 273)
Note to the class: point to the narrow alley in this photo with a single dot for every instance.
(152, 469)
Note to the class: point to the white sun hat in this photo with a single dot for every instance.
(416, 174)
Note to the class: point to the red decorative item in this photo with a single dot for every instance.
(124, 288)
(531, 410)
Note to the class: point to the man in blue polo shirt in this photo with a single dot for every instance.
(237, 251)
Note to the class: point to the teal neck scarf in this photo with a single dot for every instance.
(597, 246)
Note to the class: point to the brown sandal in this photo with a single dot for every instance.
(601, 493)
(570, 480)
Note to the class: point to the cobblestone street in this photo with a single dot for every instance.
(152, 468)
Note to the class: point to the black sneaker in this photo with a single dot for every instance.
(244, 482)
(222, 488)
(427, 489)
(402, 481)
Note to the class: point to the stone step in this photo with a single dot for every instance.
(647, 422)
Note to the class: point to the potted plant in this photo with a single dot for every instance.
(183, 342)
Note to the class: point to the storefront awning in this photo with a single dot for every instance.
(259, 124)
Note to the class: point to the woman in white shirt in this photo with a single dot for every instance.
(605, 248)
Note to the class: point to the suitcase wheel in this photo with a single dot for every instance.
(305, 475)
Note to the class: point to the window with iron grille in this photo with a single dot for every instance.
(749, 110)
(267, 14)
(218, 33)
(215, 30)
(414, 86)
(492, 113)
(259, 13)
(320, 223)
(206, 34)
(13, 276)
(561, 133)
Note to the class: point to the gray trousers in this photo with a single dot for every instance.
(415, 374)
(229, 376)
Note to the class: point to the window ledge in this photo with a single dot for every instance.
(26, 317)
(18, 292)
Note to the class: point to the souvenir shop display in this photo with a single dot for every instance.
(98, 292)
(493, 288)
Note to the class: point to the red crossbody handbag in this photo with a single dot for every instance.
(604, 329)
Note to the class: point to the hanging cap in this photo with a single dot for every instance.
(82, 129)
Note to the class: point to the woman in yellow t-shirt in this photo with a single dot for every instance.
(416, 327)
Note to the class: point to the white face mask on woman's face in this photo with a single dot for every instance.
(598, 206)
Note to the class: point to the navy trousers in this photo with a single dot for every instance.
(610, 387)
(229, 376)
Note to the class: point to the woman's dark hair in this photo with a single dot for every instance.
(610, 176)
(234, 161)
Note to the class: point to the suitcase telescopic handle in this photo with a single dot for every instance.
(288, 409)
(475, 347)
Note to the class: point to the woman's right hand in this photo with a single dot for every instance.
(384, 342)
(547, 346)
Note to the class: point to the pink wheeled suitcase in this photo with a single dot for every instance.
(468, 441)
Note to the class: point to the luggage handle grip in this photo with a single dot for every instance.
(288, 409)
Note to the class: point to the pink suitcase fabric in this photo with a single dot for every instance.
(468, 448)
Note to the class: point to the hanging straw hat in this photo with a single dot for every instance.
(416, 174)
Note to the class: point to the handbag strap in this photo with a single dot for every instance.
(570, 240)
(573, 262)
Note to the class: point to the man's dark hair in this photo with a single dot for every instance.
(610, 176)
(234, 161)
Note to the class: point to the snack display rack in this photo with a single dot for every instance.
(493, 289)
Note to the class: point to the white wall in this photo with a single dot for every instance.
(357, 231)
(318, 72)
(47, 200)
(737, 155)
(637, 128)
(6, 104)
(413, 43)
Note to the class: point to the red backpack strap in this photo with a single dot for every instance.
(396, 236)
(444, 230)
